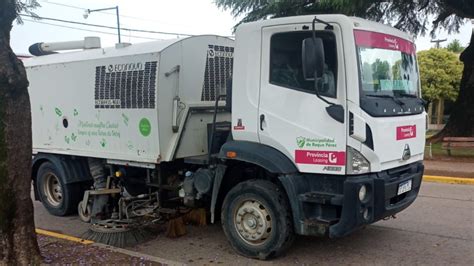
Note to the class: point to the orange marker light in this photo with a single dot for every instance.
(231, 154)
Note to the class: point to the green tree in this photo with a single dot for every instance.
(18, 243)
(410, 16)
(380, 70)
(396, 70)
(439, 82)
(455, 46)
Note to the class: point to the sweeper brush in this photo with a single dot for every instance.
(176, 227)
(117, 233)
(196, 217)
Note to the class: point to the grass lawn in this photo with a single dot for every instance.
(437, 150)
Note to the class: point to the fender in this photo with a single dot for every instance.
(73, 169)
(262, 155)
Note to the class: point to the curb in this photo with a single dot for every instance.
(64, 237)
(448, 180)
(104, 246)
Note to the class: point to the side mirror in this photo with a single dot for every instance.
(336, 111)
(313, 58)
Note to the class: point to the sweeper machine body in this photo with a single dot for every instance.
(302, 125)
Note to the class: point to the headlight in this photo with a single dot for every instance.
(356, 162)
(362, 193)
(365, 214)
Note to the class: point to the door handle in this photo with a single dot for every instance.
(262, 119)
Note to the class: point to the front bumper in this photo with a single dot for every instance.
(330, 206)
(383, 199)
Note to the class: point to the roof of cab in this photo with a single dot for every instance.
(365, 24)
(355, 22)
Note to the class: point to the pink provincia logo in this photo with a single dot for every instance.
(384, 41)
(406, 132)
(320, 157)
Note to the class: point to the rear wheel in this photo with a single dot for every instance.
(57, 197)
(257, 220)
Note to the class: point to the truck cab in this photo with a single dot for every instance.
(351, 137)
(369, 69)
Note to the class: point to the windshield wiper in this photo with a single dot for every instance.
(407, 95)
(422, 101)
(387, 97)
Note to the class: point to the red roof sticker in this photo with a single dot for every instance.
(384, 41)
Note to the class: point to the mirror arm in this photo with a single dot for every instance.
(315, 73)
(336, 111)
(317, 92)
(328, 26)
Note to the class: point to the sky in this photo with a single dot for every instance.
(178, 17)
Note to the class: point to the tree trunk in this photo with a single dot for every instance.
(461, 120)
(430, 113)
(440, 112)
(18, 243)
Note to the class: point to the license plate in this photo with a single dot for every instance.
(404, 187)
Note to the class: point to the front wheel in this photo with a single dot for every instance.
(256, 219)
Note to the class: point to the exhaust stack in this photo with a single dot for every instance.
(45, 48)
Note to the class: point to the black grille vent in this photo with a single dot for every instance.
(126, 86)
(218, 73)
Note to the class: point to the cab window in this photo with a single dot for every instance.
(286, 67)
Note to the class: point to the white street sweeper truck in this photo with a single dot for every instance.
(302, 125)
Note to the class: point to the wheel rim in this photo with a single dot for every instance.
(84, 215)
(53, 190)
(253, 222)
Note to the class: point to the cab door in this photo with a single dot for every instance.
(291, 117)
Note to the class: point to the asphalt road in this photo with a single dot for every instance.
(438, 229)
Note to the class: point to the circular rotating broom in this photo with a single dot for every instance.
(118, 233)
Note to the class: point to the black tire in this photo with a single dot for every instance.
(257, 193)
(49, 181)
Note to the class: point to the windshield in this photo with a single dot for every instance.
(387, 65)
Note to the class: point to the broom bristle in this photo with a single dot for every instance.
(196, 217)
(176, 228)
(123, 238)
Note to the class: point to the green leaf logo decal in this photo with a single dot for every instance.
(103, 143)
(300, 141)
(125, 119)
(58, 111)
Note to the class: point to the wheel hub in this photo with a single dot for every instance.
(52, 190)
(253, 222)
